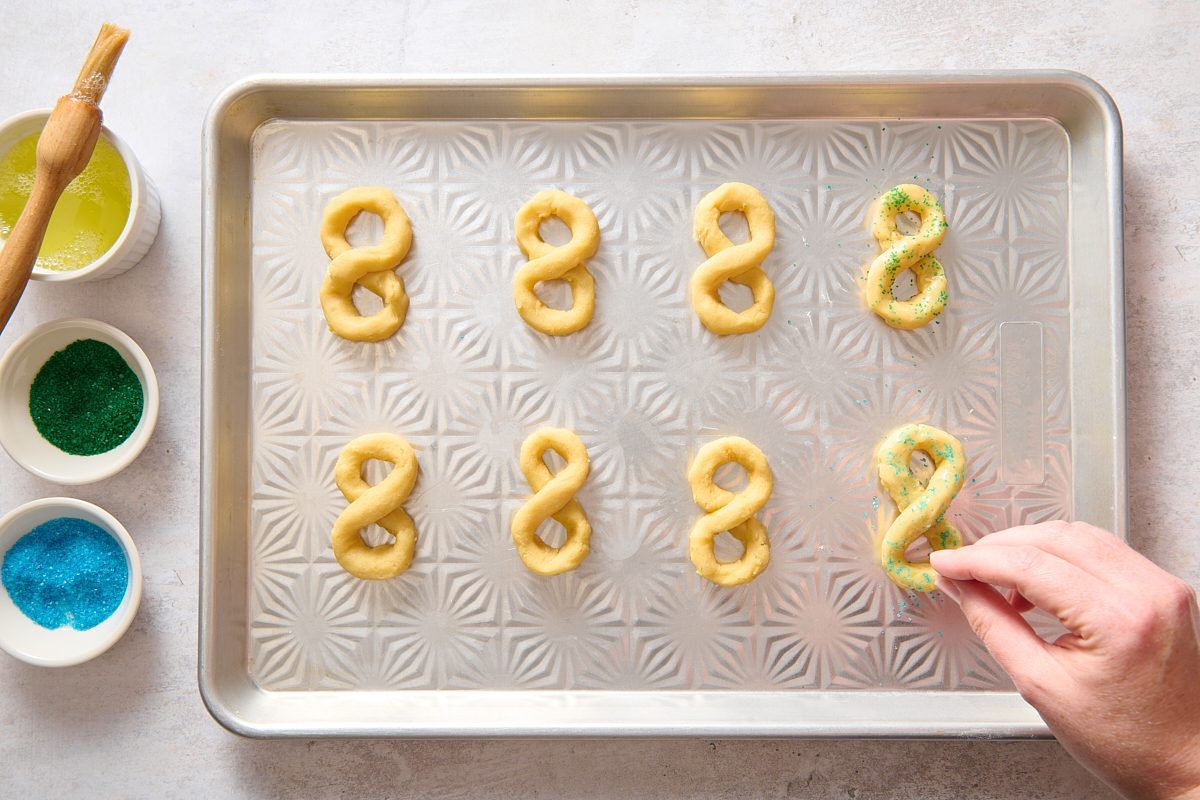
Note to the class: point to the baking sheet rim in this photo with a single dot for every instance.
(1024, 724)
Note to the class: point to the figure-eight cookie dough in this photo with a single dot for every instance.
(553, 497)
(381, 504)
(548, 262)
(730, 511)
(372, 266)
(922, 505)
(901, 252)
(727, 261)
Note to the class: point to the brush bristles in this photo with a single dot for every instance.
(98, 66)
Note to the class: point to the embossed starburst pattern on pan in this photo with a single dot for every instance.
(644, 385)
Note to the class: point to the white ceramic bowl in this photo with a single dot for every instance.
(64, 647)
(19, 436)
(145, 210)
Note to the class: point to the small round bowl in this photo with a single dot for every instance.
(19, 436)
(63, 647)
(145, 211)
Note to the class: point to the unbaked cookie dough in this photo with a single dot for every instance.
(549, 262)
(380, 504)
(730, 511)
(740, 263)
(372, 266)
(922, 504)
(553, 497)
(901, 252)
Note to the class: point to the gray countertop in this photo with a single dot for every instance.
(131, 723)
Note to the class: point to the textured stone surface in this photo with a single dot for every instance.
(131, 723)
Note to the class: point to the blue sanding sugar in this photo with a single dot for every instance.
(66, 571)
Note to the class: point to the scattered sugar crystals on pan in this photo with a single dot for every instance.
(67, 571)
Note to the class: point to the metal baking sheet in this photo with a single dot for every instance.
(1026, 366)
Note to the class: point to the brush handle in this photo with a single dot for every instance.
(63, 150)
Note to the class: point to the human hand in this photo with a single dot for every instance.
(1121, 690)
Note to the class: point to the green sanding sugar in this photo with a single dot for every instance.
(85, 399)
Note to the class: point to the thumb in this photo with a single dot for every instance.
(1008, 637)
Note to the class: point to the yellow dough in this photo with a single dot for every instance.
(553, 497)
(372, 266)
(902, 252)
(548, 262)
(727, 261)
(922, 504)
(381, 504)
(730, 511)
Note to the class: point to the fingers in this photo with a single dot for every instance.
(1091, 549)
(1074, 596)
(1008, 637)
(1018, 601)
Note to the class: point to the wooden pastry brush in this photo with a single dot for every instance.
(63, 150)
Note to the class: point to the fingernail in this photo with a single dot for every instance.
(949, 588)
(938, 555)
